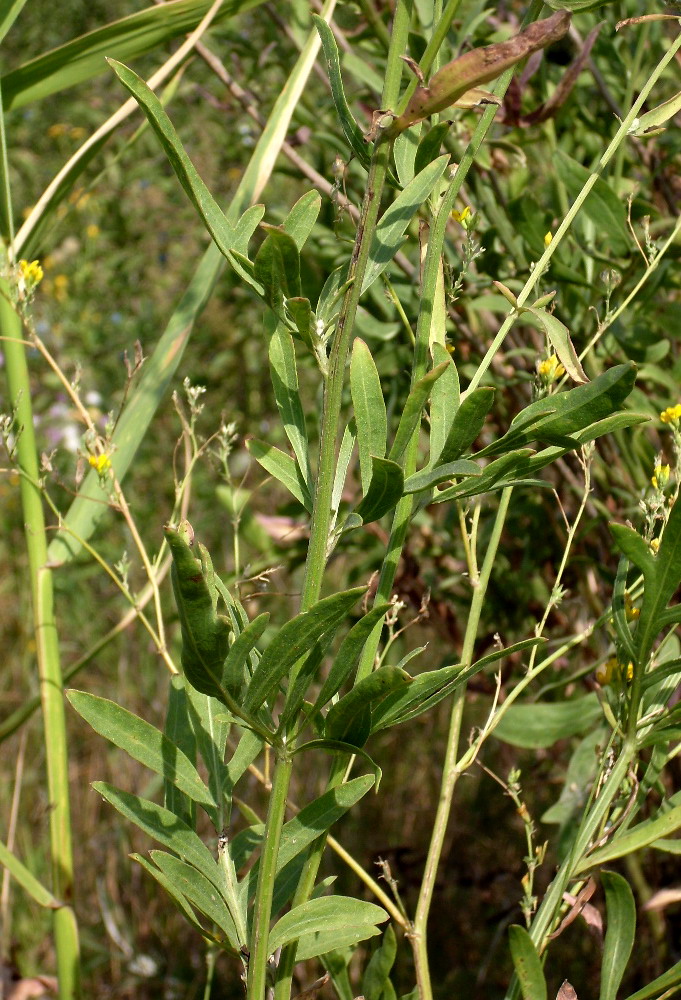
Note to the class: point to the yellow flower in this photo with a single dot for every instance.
(77, 132)
(547, 238)
(32, 272)
(605, 671)
(100, 462)
(55, 131)
(660, 477)
(92, 231)
(671, 415)
(463, 217)
(631, 612)
(655, 545)
(549, 369)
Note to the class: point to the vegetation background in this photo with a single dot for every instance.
(120, 252)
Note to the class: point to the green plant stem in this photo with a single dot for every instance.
(375, 22)
(543, 262)
(47, 646)
(451, 771)
(262, 907)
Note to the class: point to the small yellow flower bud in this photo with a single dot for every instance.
(464, 217)
(671, 415)
(655, 545)
(660, 477)
(547, 238)
(549, 369)
(32, 272)
(604, 671)
(631, 612)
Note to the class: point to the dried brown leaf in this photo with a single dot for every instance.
(563, 89)
(663, 898)
(479, 66)
(642, 18)
(578, 905)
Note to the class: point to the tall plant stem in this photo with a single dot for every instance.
(47, 649)
(450, 770)
(545, 258)
(262, 907)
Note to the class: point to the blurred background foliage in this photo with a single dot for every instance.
(117, 259)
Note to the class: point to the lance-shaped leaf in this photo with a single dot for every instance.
(176, 895)
(179, 730)
(441, 474)
(430, 145)
(330, 913)
(527, 964)
(233, 674)
(294, 640)
(640, 836)
(300, 221)
(411, 414)
(277, 266)
(444, 401)
(662, 986)
(564, 414)
(143, 742)
(205, 635)
(349, 720)
(28, 882)
(284, 375)
(196, 888)
(466, 425)
(369, 406)
(619, 936)
(540, 725)
(385, 490)
(348, 653)
(559, 336)
(649, 123)
(376, 978)
(476, 67)
(393, 224)
(282, 467)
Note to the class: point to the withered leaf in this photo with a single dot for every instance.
(478, 66)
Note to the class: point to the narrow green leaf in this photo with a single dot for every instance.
(527, 964)
(385, 490)
(284, 375)
(295, 694)
(413, 408)
(208, 209)
(404, 153)
(293, 640)
(234, 675)
(143, 742)
(300, 312)
(180, 732)
(84, 57)
(283, 468)
(377, 972)
(319, 943)
(559, 336)
(196, 888)
(211, 738)
(349, 720)
(337, 747)
(351, 129)
(300, 221)
(277, 267)
(660, 987)
(492, 475)
(444, 401)
(541, 725)
(311, 822)
(619, 935)
(651, 121)
(164, 827)
(392, 226)
(466, 425)
(568, 412)
(330, 913)
(28, 882)
(344, 456)
(369, 408)
(348, 654)
(428, 478)
(9, 12)
(660, 584)
(430, 145)
(641, 836)
(175, 894)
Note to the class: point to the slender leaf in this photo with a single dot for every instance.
(430, 145)
(293, 640)
(319, 943)
(619, 936)
(428, 478)
(392, 226)
(641, 836)
(28, 882)
(559, 335)
(175, 894)
(277, 267)
(369, 408)
(179, 730)
(444, 402)
(285, 383)
(377, 973)
(330, 913)
(351, 129)
(527, 964)
(83, 58)
(349, 652)
(413, 408)
(660, 987)
(541, 725)
(283, 468)
(300, 221)
(234, 675)
(385, 490)
(196, 888)
(349, 720)
(466, 425)
(143, 742)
